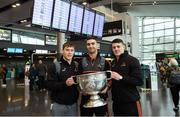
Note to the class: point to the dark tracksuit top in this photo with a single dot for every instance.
(60, 92)
(125, 91)
(92, 65)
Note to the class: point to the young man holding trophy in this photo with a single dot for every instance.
(93, 63)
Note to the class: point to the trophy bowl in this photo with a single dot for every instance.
(92, 84)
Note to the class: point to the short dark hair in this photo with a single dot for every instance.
(117, 40)
(68, 44)
(90, 38)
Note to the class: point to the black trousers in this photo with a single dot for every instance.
(98, 111)
(41, 82)
(127, 109)
(31, 84)
(175, 94)
(4, 80)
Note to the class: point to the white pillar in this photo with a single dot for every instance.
(135, 37)
(60, 42)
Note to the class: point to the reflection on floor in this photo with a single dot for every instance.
(16, 100)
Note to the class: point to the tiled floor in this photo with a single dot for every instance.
(17, 100)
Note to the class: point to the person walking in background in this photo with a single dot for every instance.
(126, 75)
(32, 76)
(174, 88)
(60, 83)
(41, 74)
(4, 73)
(93, 62)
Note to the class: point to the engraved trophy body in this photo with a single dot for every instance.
(92, 84)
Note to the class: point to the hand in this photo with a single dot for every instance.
(104, 90)
(70, 81)
(116, 76)
(83, 93)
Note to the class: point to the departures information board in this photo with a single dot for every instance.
(76, 16)
(99, 24)
(42, 12)
(88, 22)
(61, 15)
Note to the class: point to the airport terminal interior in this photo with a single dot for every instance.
(33, 30)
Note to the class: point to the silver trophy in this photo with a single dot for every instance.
(92, 84)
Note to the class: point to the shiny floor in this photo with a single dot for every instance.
(17, 100)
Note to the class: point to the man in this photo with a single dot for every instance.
(93, 62)
(4, 71)
(32, 76)
(64, 93)
(174, 88)
(41, 74)
(126, 76)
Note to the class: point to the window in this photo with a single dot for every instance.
(169, 39)
(148, 28)
(177, 38)
(147, 48)
(159, 33)
(169, 32)
(177, 22)
(148, 21)
(140, 29)
(169, 24)
(169, 47)
(177, 30)
(148, 34)
(148, 41)
(149, 55)
(158, 47)
(178, 46)
(158, 36)
(159, 26)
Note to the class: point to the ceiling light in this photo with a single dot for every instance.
(18, 4)
(154, 3)
(23, 21)
(84, 3)
(131, 4)
(13, 5)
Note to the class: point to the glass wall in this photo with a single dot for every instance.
(158, 34)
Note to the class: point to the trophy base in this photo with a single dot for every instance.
(95, 101)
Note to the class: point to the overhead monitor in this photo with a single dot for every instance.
(88, 22)
(61, 15)
(42, 12)
(10, 50)
(76, 16)
(99, 24)
(18, 50)
(51, 40)
(5, 34)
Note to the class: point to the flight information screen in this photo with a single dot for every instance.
(42, 12)
(99, 24)
(76, 16)
(61, 14)
(88, 22)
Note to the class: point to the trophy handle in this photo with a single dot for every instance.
(108, 74)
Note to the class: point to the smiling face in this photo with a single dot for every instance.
(68, 53)
(118, 49)
(91, 45)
